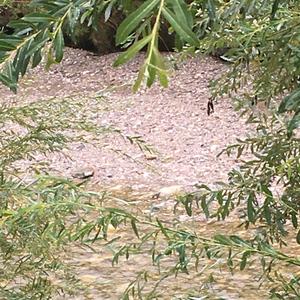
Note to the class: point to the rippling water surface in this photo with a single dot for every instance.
(105, 281)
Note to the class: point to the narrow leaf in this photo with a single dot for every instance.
(140, 78)
(8, 82)
(37, 45)
(39, 18)
(250, 208)
(290, 102)
(108, 9)
(132, 51)
(244, 260)
(59, 43)
(37, 58)
(6, 46)
(151, 69)
(274, 8)
(162, 72)
(221, 239)
(294, 123)
(134, 19)
(182, 29)
(294, 219)
(182, 13)
(298, 237)
(134, 228)
(211, 9)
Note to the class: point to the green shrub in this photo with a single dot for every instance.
(262, 38)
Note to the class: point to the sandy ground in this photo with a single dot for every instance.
(173, 121)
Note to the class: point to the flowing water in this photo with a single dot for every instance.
(104, 281)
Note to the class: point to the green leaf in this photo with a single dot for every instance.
(140, 78)
(290, 102)
(22, 60)
(8, 82)
(108, 9)
(294, 219)
(39, 18)
(18, 24)
(294, 123)
(239, 241)
(250, 208)
(267, 214)
(24, 65)
(274, 8)
(6, 46)
(37, 45)
(151, 69)
(161, 68)
(11, 71)
(211, 9)
(204, 207)
(243, 263)
(219, 197)
(188, 207)
(182, 13)
(134, 228)
(133, 20)
(58, 44)
(11, 39)
(222, 239)
(266, 191)
(298, 237)
(37, 57)
(182, 29)
(132, 51)
(162, 228)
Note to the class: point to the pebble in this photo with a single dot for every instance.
(83, 174)
(149, 156)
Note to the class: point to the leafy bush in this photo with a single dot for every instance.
(41, 214)
(262, 42)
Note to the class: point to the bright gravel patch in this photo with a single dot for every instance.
(173, 120)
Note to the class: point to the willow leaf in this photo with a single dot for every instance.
(182, 29)
(132, 51)
(59, 45)
(134, 19)
(182, 13)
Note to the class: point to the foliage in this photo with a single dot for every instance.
(42, 214)
(261, 40)
(34, 31)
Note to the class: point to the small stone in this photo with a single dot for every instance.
(81, 146)
(150, 156)
(154, 209)
(84, 174)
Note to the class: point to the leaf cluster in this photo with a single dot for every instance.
(261, 40)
